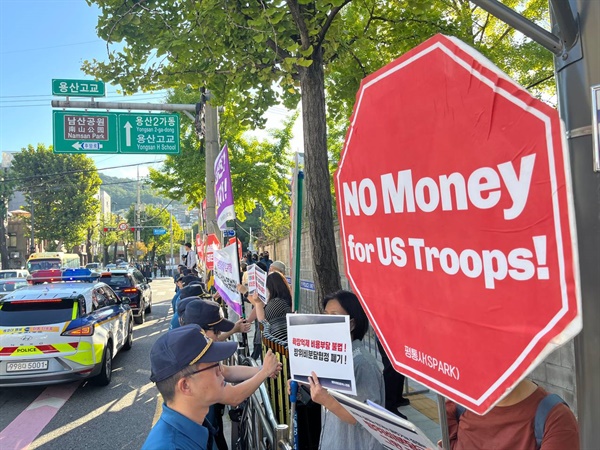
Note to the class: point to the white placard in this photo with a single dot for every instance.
(392, 431)
(321, 343)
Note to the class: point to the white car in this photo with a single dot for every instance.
(56, 332)
(13, 273)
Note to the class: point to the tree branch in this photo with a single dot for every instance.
(328, 21)
(296, 11)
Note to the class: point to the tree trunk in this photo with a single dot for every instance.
(316, 168)
(115, 251)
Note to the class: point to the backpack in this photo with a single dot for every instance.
(541, 414)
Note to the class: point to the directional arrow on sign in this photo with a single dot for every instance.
(128, 128)
(76, 146)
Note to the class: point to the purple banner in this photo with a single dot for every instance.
(227, 276)
(223, 189)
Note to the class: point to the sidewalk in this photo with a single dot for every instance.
(423, 410)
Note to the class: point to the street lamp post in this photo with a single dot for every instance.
(171, 229)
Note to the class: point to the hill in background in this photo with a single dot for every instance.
(123, 192)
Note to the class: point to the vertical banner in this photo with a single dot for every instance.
(223, 189)
(321, 343)
(227, 276)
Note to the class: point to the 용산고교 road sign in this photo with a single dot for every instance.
(149, 133)
(108, 132)
(159, 231)
(78, 88)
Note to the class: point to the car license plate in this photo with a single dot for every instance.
(26, 366)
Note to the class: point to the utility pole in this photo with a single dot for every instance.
(211, 143)
(577, 63)
(171, 229)
(32, 247)
(4, 219)
(137, 216)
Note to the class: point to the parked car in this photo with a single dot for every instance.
(8, 285)
(56, 332)
(93, 266)
(13, 273)
(132, 284)
(111, 266)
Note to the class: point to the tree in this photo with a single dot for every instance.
(275, 226)
(257, 54)
(62, 188)
(156, 245)
(259, 169)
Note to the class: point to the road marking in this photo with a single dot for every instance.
(23, 430)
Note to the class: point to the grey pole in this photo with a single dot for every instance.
(211, 142)
(124, 105)
(171, 229)
(574, 83)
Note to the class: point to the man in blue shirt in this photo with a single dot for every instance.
(185, 365)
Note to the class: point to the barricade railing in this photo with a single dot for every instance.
(259, 426)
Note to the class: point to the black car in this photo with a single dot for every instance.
(131, 283)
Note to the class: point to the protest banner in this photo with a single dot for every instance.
(321, 343)
(392, 431)
(257, 282)
(460, 220)
(212, 244)
(227, 276)
(223, 189)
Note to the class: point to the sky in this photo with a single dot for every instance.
(45, 39)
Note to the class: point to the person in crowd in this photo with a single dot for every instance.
(279, 303)
(394, 384)
(179, 272)
(244, 270)
(191, 259)
(254, 258)
(248, 258)
(266, 260)
(194, 289)
(338, 428)
(186, 367)
(278, 266)
(511, 423)
(178, 287)
(209, 316)
(257, 343)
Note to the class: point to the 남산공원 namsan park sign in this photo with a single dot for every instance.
(115, 132)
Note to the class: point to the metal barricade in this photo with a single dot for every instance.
(259, 427)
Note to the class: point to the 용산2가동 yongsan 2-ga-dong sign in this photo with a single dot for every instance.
(78, 88)
(109, 132)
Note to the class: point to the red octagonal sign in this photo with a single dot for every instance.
(457, 223)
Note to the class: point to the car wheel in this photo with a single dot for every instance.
(140, 319)
(129, 341)
(105, 375)
(149, 307)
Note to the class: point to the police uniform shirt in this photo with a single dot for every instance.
(175, 431)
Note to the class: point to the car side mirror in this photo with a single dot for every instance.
(125, 300)
(149, 280)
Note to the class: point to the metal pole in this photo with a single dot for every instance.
(520, 23)
(123, 105)
(298, 240)
(441, 404)
(32, 247)
(574, 83)
(211, 142)
(137, 216)
(563, 14)
(4, 218)
(171, 228)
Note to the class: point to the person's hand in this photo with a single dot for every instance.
(216, 296)
(241, 326)
(318, 393)
(289, 387)
(270, 364)
(241, 288)
(254, 299)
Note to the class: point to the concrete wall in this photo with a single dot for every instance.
(556, 374)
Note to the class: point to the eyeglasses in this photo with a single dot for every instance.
(219, 365)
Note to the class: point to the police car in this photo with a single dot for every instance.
(64, 331)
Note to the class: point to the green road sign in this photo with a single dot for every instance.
(78, 88)
(149, 133)
(85, 132)
(107, 132)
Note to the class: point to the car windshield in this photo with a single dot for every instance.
(43, 264)
(9, 286)
(8, 274)
(117, 280)
(36, 312)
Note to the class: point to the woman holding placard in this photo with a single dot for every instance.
(338, 428)
(279, 303)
